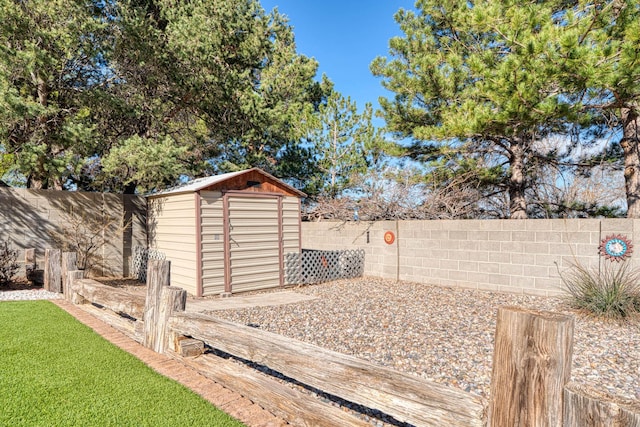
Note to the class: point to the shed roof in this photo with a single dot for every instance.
(212, 181)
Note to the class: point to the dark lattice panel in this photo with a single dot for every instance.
(141, 258)
(313, 266)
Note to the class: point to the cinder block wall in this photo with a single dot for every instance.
(30, 219)
(517, 256)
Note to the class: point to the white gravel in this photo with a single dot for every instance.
(442, 334)
(28, 294)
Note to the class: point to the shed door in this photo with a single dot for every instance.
(254, 243)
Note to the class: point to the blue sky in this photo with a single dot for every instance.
(344, 37)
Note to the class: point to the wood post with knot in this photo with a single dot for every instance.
(162, 301)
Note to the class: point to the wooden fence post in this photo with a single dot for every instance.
(531, 365)
(69, 263)
(585, 408)
(52, 274)
(172, 300)
(68, 287)
(29, 262)
(158, 276)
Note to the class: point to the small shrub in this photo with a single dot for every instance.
(8, 264)
(86, 233)
(611, 292)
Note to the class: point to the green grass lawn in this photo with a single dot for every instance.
(55, 371)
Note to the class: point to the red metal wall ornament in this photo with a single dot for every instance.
(389, 237)
(616, 247)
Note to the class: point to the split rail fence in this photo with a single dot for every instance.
(530, 379)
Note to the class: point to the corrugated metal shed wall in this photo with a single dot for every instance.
(212, 241)
(291, 224)
(172, 230)
(262, 228)
(254, 243)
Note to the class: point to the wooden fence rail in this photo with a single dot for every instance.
(529, 383)
(405, 397)
(121, 309)
(117, 300)
(293, 405)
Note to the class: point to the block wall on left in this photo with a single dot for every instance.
(31, 219)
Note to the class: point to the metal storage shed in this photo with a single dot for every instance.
(226, 233)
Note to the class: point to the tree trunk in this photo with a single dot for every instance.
(35, 183)
(38, 179)
(43, 90)
(630, 143)
(517, 185)
(130, 188)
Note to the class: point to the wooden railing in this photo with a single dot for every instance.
(407, 398)
(530, 379)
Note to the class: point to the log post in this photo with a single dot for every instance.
(586, 407)
(52, 274)
(172, 300)
(69, 263)
(69, 286)
(630, 418)
(158, 276)
(29, 263)
(531, 365)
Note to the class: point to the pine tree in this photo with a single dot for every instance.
(129, 95)
(218, 82)
(344, 142)
(601, 56)
(49, 67)
(478, 82)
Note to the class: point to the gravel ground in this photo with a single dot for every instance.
(27, 294)
(443, 334)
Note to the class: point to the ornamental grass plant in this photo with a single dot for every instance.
(611, 291)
